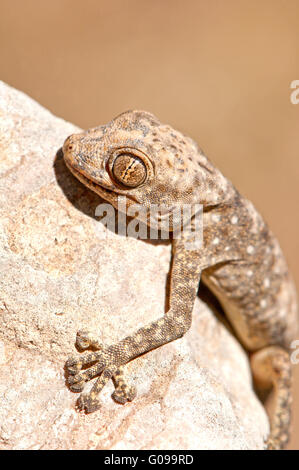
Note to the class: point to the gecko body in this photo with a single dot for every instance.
(240, 261)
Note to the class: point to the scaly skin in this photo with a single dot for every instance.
(240, 260)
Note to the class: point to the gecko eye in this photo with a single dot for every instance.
(129, 170)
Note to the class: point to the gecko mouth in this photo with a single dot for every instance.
(105, 193)
(88, 181)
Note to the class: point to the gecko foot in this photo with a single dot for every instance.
(102, 363)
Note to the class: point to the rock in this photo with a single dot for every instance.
(61, 271)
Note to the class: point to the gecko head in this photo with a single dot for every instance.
(137, 156)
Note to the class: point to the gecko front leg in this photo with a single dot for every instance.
(108, 361)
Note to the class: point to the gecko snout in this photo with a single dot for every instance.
(68, 150)
(68, 145)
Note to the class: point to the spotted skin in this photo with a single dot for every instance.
(137, 156)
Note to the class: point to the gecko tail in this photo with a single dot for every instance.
(271, 368)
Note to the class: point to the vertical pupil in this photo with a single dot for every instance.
(129, 170)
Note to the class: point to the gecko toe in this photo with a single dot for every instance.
(73, 365)
(76, 383)
(85, 339)
(88, 403)
(124, 394)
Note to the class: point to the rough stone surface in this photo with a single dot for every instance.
(60, 270)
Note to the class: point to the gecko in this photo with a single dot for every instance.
(240, 261)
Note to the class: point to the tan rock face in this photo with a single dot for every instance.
(61, 270)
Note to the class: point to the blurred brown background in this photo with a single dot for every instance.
(219, 70)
